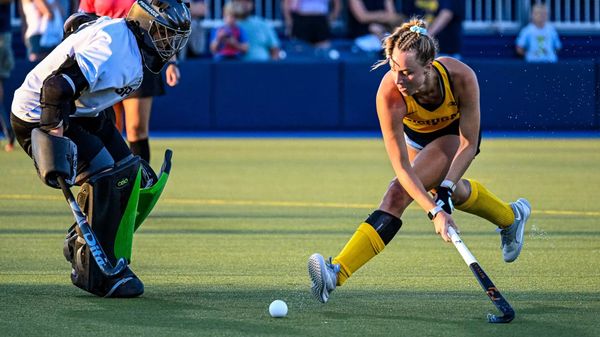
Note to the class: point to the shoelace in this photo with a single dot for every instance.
(333, 266)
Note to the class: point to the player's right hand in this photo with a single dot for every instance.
(441, 222)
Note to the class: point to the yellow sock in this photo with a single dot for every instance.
(363, 246)
(485, 204)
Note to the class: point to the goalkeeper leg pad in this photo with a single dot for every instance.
(109, 200)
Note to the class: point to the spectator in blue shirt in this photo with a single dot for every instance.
(263, 43)
(539, 41)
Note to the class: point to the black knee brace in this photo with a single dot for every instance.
(385, 224)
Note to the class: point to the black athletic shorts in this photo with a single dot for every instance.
(152, 85)
(90, 134)
(419, 140)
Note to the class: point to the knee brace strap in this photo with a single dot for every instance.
(385, 224)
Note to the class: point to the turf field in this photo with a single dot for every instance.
(240, 217)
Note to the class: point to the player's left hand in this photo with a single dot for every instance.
(443, 198)
(172, 74)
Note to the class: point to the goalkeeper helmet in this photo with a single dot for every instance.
(163, 28)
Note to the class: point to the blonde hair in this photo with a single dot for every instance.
(234, 9)
(412, 35)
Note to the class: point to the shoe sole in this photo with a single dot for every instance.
(526, 207)
(316, 264)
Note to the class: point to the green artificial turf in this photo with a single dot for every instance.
(239, 218)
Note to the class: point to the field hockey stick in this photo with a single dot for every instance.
(88, 235)
(485, 282)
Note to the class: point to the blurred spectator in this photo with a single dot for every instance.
(539, 41)
(196, 45)
(228, 42)
(6, 65)
(370, 20)
(44, 19)
(309, 20)
(263, 43)
(136, 107)
(69, 7)
(444, 19)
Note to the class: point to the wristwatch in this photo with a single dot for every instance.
(433, 212)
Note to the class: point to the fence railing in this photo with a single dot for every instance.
(568, 16)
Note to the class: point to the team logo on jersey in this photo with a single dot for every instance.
(434, 121)
(125, 91)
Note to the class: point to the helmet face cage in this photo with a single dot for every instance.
(166, 40)
(165, 25)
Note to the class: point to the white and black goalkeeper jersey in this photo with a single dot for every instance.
(109, 58)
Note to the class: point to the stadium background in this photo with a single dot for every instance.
(307, 92)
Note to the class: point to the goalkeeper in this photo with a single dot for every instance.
(62, 118)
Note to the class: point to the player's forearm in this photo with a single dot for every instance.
(461, 162)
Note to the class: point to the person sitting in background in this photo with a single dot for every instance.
(228, 42)
(538, 41)
(263, 43)
(308, 20)
(370, 20)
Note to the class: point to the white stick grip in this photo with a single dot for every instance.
(461, 247)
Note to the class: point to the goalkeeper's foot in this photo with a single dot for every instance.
(127, 284)
(512, 236)
(323, 275)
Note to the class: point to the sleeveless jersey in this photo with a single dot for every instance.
(419, 119)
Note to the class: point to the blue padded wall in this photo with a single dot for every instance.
(276, 96)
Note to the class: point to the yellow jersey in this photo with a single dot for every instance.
(422, 120)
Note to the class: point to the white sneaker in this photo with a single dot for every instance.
(323, 275)
(512, 236)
